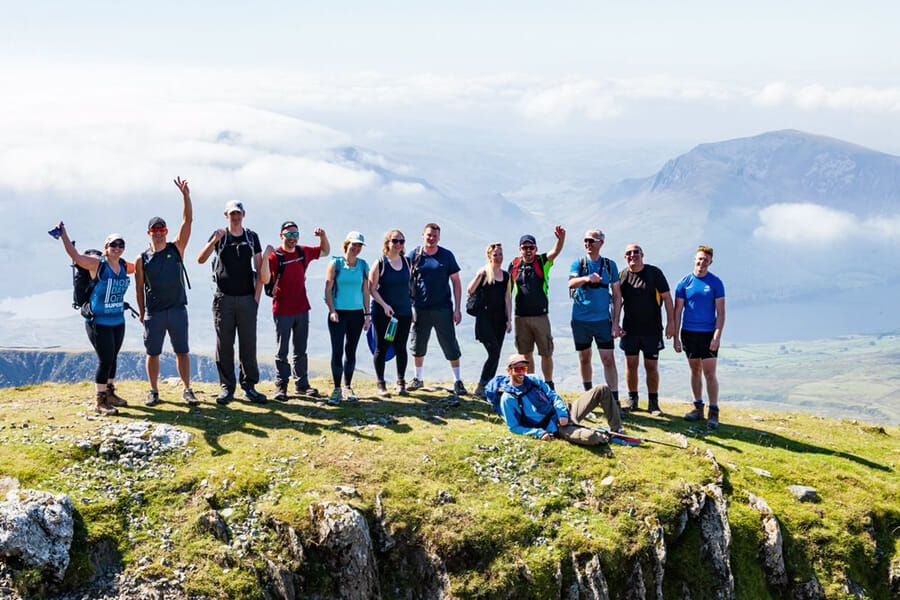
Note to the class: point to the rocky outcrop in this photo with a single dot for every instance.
(771, 548)
(343, 537)
(36, 528)
(590, 579)
(658, 547)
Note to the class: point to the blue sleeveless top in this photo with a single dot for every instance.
(348, 281)
(108, 297)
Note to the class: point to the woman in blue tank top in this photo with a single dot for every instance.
(104, 311)
(347, 295)
(389, 283)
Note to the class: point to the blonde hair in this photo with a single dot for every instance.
(386, 248)
(489, 267)
(705, 250)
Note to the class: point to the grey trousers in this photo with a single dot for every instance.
(236, 314)
(286, 327)
(599, 395)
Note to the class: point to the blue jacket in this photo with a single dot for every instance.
(532, 409)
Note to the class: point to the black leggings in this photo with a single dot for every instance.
(490, 331)
(106, 340)
(380, 323)
(344, 339)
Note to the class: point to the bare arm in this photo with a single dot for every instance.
(670, 314)
(329, 286)
(324, 246)
(84, 261)
(187, 216)
(560, 234)
(508, 301)
(210, 246)
(367, 322)
(617, 308)
(374, 278)
(139, 286)
(476, 281)
(720, 323)
(261, 262)
(457, 297)
(679, 307)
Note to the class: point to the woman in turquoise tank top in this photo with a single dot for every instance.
(347, 297)
(106, 325)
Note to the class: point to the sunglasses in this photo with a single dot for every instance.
(631, 252)
(519, 369)
(591, 241)
(290, 234)
(398, 241)
(117, 244)
(528, 247)
(159, 230)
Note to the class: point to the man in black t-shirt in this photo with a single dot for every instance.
(239, 269)
(644, 289)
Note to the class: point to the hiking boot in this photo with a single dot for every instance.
(112, 398)
(381, 390)
(350, 395)
(188, 396)
(696, 414)
(225, 396)
(335, 398)
(479, 391)
(712, 419)
(401, 388)
(251, 395)
(152, 398)
(459, 389)
(306, 391)
(653, 408)
(103, 407)
(281, 395)
(630, 405)
(416, 384)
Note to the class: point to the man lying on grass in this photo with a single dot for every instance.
(530, 407)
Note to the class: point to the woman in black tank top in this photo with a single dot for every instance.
(493, 321)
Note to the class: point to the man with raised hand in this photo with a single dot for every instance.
(529, 273)
(700, 318)
(290, 306)
(434, 269)
(591, 279)
(162, 298)
(644, 290)
(530, 407)
(240, 269)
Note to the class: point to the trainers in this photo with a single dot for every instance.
(281, 395)
(152, 398)
(251, 395)
(307, 391)
(112, 398)
(479, 391)
(381, 390)
(459, 389)
(630, 405)
(401, 388)
(225, 396)
(335, 398)
(712, 420)
(350, 395)
(103, 407)
(653, 408)
(415, 384)
(696, 414)
(188, 396)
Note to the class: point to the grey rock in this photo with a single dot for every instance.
(853, 589)
(589, 575)
(382, 526)
(894, 577)
(658, 540)
(760, 472)
(346, 491)
(634, 585)
(37, 528)
(715, 533)
(809, 590)
(8, 483)
(444, 497)
(280, 580)
(771, 550)
(345, 541)
(804, 493)
(212, 522)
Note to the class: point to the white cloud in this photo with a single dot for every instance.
(558, 103)
(816, 96)
(403, 188)
(806, 222)
(55, 304)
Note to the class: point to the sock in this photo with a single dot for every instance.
(550, 385)
(633, 396)
(616, 396)
(699, 403)
(455, 373)
(419, 372)
(654, 397)
(587, 385)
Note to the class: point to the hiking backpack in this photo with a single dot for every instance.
(269, 288)
(584, 270)
(493, 393)
(217, 267)
(82, 282)
(145, 259)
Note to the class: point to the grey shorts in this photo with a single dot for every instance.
(173, 321)
(585, 332)
(441, 320)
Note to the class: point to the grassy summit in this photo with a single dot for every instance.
(506, 514)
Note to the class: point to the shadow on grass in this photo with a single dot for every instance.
(307, 417)
(635, 423)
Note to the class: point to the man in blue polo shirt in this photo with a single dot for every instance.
(700, 317)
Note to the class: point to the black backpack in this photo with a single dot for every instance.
(82, 282)
(269, 288)
(583, 270)
(185, 279)
(217, 267)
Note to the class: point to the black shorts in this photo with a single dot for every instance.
(696, 344)
(650, 345)
(599, 332)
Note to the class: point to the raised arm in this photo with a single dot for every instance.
(560, 234)
(84, 261)
(324, 246)
(187, 216)
(217, 235)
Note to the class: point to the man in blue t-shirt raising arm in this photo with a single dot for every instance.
(700, 317)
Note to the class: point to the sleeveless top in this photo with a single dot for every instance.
(347, 289)
(393, 285)
(494, 296)
(108, 297)
(163, 280)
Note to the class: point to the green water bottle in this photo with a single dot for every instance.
(391, 330)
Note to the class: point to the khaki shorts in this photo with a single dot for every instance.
(534, 331)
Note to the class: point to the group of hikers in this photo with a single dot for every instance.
(399, 301)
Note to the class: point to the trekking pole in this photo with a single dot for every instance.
(632, 440)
